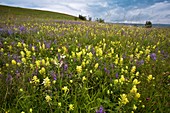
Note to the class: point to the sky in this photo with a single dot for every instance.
(115, 11)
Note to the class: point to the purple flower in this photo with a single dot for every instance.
(101, 110)
(22, 28)
(10, 32)
(65, 67)
(153, 56)
(117, 75)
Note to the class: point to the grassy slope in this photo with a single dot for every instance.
(16, 12)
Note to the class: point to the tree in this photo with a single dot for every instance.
(82, 17)
(148, 24)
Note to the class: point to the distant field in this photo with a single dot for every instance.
(50, 63)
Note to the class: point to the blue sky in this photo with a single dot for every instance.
(133, 11)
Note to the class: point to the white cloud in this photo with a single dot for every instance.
(106, 9)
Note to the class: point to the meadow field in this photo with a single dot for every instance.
(50, 63)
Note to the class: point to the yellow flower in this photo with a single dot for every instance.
(59, 104)
(79, 69)
(46, 82)
(22, 53)
(19, 44)
(150, 78)
(135, 81)
(23, 60)
(71, 107)
(84, 78)
(123, 100)
(134, 107)
(13, 62)
(42, 71)
(48, 98)
(122, 79)
(133, 69)
(65, 89)
(43, 62)
(121, 61)
(137, 73)
(30, 110)
(137, 95)
(37, 63)
(90, 55)
(116, 81)
(35, 80)
(96, 66)
(134, 89)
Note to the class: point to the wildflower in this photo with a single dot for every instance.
(149, 78)
(134, 89)
(13, 62)
(84, 78)
(23, 60)
(7, 64)
(117, 75)
(137, 95)
(37, 63)
(65, 89)
(96, 66)
(43, 62)
(133, 69)
(79, 69)
(90, 55)
(30, 110)
(19, 44)
(123, 100)
(35, 80)
(121, 61)
(22, 53)
(46, 82)
(71, 107)
(137, 73)
(21, 90)
(101, 110)
(42, 71)
(22, 112)
(48, 98)
(153, 56)
(71, 81)
(135, 82)
(122, 79)
(148, 58)
(134, 107)
(59, 104)
(116, 81)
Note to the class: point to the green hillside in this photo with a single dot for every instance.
(8, 12)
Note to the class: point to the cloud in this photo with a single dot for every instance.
(137, 11)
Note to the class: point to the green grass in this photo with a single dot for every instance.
(50, 66)
(7, 12)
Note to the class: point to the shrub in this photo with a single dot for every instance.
(148, 24)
